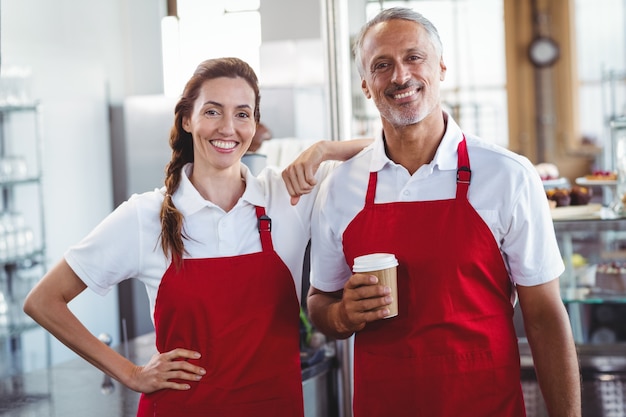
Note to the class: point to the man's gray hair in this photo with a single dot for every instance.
(393, 14)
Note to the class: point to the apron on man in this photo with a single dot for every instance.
(452, 350)
(242, 314)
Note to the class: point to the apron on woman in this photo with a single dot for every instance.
(242, 314)
(452, 350)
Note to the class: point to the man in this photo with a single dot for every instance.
(469, 224)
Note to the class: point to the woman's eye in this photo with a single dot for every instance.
(243, 115)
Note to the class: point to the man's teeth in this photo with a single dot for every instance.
(222, 144)
(404, 95)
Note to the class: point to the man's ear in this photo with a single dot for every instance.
(442, 66)
(364, 88)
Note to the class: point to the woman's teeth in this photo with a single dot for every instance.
(222, 144)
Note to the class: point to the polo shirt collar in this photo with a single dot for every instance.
(445, 157)
(189, 201)
(255, 190)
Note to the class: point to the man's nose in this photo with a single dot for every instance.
(401, 74)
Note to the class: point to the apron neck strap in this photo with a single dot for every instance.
(265, 229)
(371, 189)
(463, 172)
(463, 176)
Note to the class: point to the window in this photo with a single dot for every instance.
(601, 61)
(472, 33)
(208, 29)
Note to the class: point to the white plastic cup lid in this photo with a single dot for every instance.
(374, 262)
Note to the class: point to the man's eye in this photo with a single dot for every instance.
(381, 66)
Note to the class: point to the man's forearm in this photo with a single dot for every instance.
(325, 314)
(556, 365)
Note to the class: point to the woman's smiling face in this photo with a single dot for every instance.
(222, 122)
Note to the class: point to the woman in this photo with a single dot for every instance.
(220, 253)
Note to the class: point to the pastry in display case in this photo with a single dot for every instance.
(561, 194)
(574, 196)
(550, 176)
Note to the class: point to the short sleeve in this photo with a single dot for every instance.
(110, 253)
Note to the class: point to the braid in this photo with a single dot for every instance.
(171, 218)
(181, 142)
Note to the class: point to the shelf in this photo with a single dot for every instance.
(31, 179)
(26, 261)
(618, 124)
(19, 108)
(595, 299)
(592, 358)
(23, 257)
(590, 225)
(17, 329)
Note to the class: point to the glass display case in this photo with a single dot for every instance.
(593, 288)
(594, 250)
(594, 283)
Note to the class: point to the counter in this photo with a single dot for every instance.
(77, 389)
(603, 372)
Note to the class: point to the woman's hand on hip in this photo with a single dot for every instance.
(168, 371)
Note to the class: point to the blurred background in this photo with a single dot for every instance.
(93, 84)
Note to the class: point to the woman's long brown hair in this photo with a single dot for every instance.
(181, 142)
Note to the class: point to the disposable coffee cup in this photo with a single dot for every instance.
(384, 266)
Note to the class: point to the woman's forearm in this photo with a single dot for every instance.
(47, 304)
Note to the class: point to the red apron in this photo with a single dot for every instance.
(452, 350)
(242, 314)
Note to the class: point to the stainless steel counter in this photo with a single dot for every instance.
(77, 389)
(603, 372)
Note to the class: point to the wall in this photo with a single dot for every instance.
(83, 55)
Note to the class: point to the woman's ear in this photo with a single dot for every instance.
(186, 125)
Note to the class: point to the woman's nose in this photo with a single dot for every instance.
(226, 126)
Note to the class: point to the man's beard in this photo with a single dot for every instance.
(402, 115)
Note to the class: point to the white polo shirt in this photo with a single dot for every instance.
(126, 243)
(505, 190)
